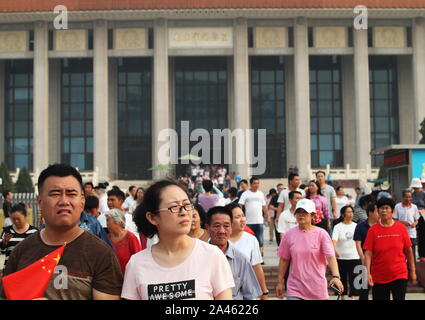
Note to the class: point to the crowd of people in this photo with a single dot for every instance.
(202, 237)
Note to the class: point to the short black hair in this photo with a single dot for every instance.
(117, 193)
(218, 210)
(292, 175)
(244, 181)
(320, 171)
(58, 170)
(150, 204)
(344, 208)
(292, 194)
(231, 206)
(92, 202)
(131, 188)
(207, 185)
(89, 184)
(385, 201)
(20, 207)
(367, 199)
(370, 208)
(253, 179)
(5, 193)
(202, 214)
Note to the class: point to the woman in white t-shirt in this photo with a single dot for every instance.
(346, 252)
(178, 266)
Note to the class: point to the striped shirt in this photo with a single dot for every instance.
(15, 240)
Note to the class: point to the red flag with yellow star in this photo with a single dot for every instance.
(31, 282)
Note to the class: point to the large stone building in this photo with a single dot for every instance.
(97, 94)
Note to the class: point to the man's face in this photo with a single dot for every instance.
(320, 177)
(61, 201)
(114, 202)
(295, 182)
(244, 186)
(279, 189)
(358, 192)
(88, 189)
(133, 192)
(255, 185)
(220, 229)
(297, 197)
(407, 198)
(9, 196)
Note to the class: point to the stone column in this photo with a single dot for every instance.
(407, 123)
(101, 147)
(113, 118)
(161, 112)
(41, 97)
(418, 37)
(349, 112)
(301, 132)
(55, 110)
(241, 104)
(362, 99)
(2, 110)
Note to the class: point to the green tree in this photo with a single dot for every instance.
(7, 183)
(422, 132)
(24, 183)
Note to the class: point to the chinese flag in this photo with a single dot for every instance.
(31, 282)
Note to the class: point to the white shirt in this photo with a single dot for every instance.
(345, 244)
(286, 222)
(102, 220)
(249, 246)
(408, 214)
(253, 202)
(340, 203)
(103, 204)
(284, 198)
(129, 203)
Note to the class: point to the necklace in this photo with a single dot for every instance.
(386, 226)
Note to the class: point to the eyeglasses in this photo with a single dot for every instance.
(178, 209)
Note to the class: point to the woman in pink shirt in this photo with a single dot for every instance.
(322, 219)
(307, 248)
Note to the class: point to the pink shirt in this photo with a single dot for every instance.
(202, 276)
(321, 204)
(307, 252)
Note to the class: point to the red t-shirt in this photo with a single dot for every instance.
(387, 245)
(125, 248)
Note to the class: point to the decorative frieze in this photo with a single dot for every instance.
(330, 37)
(130, 39)
(13, 41)
(71, 40)
(389, 37)
(270, 37)
(197, 38)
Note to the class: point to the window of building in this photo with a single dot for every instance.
(134, 118)
(268, 110)
(77, 113)
(384, 113)
(326, 111)
(19, 114)
(201, 98)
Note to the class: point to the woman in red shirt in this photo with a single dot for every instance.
(124, 242)
(387, 247)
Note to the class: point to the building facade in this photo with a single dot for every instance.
(98, 94)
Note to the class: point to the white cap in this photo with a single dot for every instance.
(416, 183)
(385, 186)
(307, 205)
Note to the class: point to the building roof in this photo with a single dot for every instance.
(91, 5)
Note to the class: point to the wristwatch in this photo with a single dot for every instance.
(265, 293)
(338, 277)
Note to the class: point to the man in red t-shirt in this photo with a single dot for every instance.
(387, 247)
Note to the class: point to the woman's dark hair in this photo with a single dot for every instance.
(150, 204)
(139, 188)
(338, 188)
(343, 209)
(233, 192)
(202, 214)
(20, 207)
(319, 192)
(58, 170)
(385, 201)
(207, 185)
